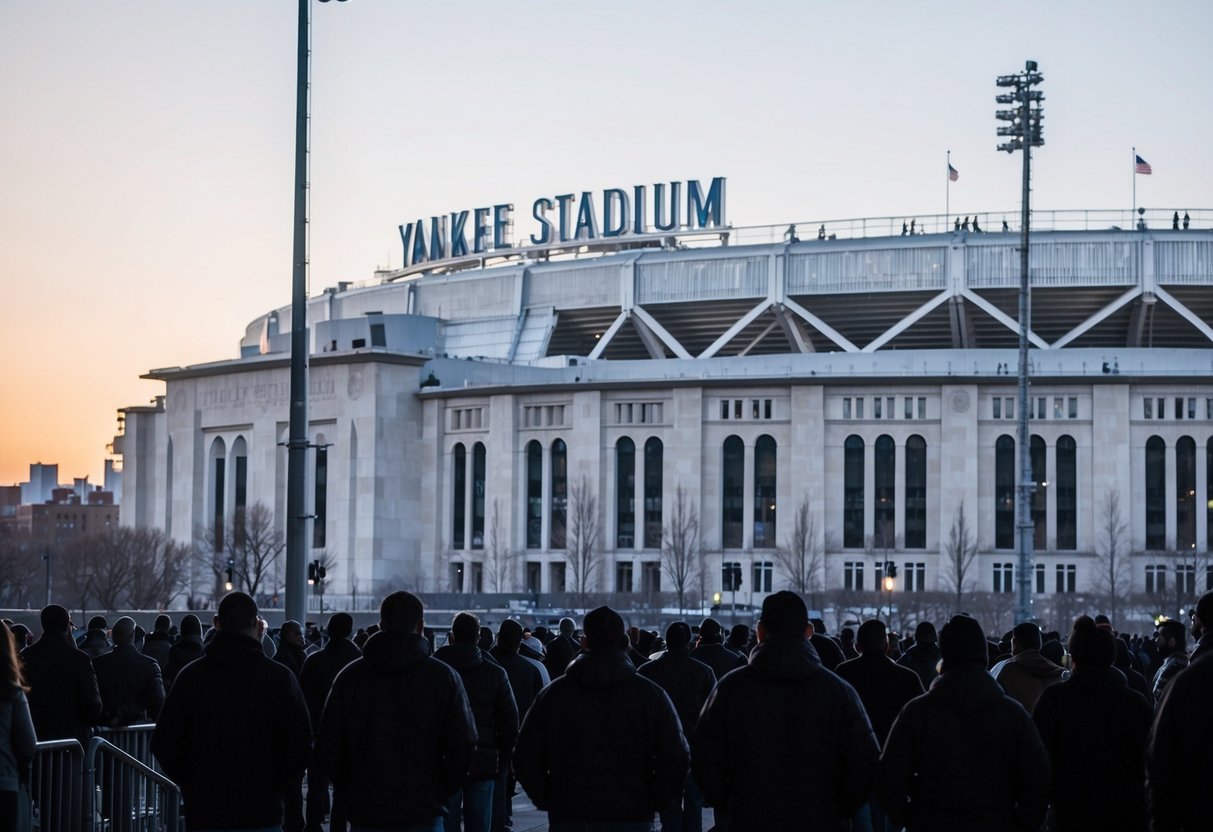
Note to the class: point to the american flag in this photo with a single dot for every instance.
(953, 174)
(1142, 166)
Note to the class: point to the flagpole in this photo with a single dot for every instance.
(1133, 213)
(947, 198)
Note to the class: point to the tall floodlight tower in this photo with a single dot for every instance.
(1023, 132)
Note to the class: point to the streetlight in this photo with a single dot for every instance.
(1023, 132)
(890, 576)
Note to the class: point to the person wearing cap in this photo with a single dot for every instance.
(711, 650)
(601, 747)
(63, 696)
(561, 649)
(784, 743)
(95, 640)
(130, 684)
(1027, 673)
(234, 732)
(964, 756)
(186, 649)
(157, 643)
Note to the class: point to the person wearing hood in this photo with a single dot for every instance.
(784, 743)
(1094, 728)
(1027, 673)
(291, 650)
(601, 747)
(923, 656)
(158, 643)
(185, 650)
(95, 640)
(964, 755)
(711, 650)
(496, 713)
(561, 649)
(397, 734)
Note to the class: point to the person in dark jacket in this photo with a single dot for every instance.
(316, 678)
(157, 643)
(234, 730)
(18, 744)
(1179, 763)
(1202, 627)
(688, 682)
(711, 650)
(492, 702)
(526, 680)
(1025, 676)
(1094, 728)
(95, 641)
(130, 683)
(292, 650)
(601, 747)
(923, 656)
(964, 756)
(828, 650)
(1172, 640)
(397, 735)
(561, 649)
(63, 696)
(783, 743)
(1124, 663)
(186, 649)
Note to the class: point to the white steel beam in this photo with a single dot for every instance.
(820, 325)
(758, 338)
(735, 330)
(907, 322)
(649, 322)
(614, 328)
(793, 329)
(1095, 319)
(1002, 317)
(1184, 312)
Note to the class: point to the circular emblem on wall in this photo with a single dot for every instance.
(354, 387)
(178, 402)
(960, 401)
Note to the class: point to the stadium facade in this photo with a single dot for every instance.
(487, 413)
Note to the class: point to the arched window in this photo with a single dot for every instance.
(1156, 494)
(459, 495)
(625, 496)
(1067, 493)
(765, 475)
(239, 474)
(560, 495)
(1185, 494)
(1004, 493)
(884, 530)
(916, 493)
(478, 486)
(732, 501)
(218, 494)
(534, 495)
(652, 493)
(852, 492)
(1040, 500)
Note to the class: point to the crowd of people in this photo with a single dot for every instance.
(615, 730)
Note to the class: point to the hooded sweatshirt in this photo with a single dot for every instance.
(1026, 675)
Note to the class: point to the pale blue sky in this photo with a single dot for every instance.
(147, 145)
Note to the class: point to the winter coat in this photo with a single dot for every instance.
(883, 688)
(492, 701)
(291, 656)
(687, 681)
(923, 658)
(1179, 764)
(830, 653)
(559, 652)
(1204, 646)
(1170, 668)
(233, 734)
(526, 677)
(784, 743)
(1025, 676)
(1094, 729)
(718, 657)
(964, 756)
(63, 697)
(157, 645)
(130, 684)
(95, 643)
(397, 734)
(17, 740)
(319, 671)
(601, 743)
(185, 650)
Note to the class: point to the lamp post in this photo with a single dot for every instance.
(1023, 132)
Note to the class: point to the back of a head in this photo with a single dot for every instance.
(191, 626)
(55, 619)
(465, 629)
(784, 614)
(1204, 610)
(677, 636)
(509, 635)
(124, 630)
(1026, 636)
(163, 622)
(1092, 645)
(738, 636)
(237, 612)
(567, 626)
(401, 612)
(873, 637)
(603, 627)
(710, 632)
(97, 622)
(292, 627)
(11, 677)
(1175, 631)
(925, 633)
(961, 642)
(341, 624)
(819, 626)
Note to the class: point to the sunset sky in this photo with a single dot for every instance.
(146, 146)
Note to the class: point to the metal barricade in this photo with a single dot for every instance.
(130, 795)
(135, 740)
(61, 803)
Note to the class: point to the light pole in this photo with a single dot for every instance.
(1023, 132)
(46, 556)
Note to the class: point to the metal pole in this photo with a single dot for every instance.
(46, 556)
(297, 441)
(1027, 484)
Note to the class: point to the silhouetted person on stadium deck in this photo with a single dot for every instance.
(976, 227)
(1005, 227)
(821, 232)
(234, 731)
(1171, 639)
(1175, 221)
(186, 649)
(63, 696)
(601, 748)
(964, 756)
(956, 225)
(561, 649)
(492, 702)
(711, 650)
(291, 650)
(95, 640)
(905, 229)
(316, 679)
(1179, 761)
(1094, 729)
(923, 656)
(1202, 627)
(1027, 673)
(789, 236)
(130, 684)
(397, 735)
(1186, 220)
(964, 226)
(688, 682)
(157, 643)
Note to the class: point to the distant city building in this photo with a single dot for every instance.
(62, 521)
(43, 480)
(10, 498)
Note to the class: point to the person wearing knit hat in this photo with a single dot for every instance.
(712, 652)
(964, 755)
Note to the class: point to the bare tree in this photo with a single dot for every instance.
(1113, 576)
(681, 552)
(959, 553)
(500, 561)
(582, 545)
(250, 546)
(159, 566)
(801, 555)
(20, 559)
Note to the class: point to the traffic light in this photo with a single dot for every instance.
(731, 576)
(231, 579)
(890, 569)
(312, 569)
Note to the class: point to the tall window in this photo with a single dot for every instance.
(1003, 581)
(218, 477)
(1067, 493)
(652, 493)
(240, 489)
(534, 496)
(916, 493)
(915, 577)
(1040, 499)
(1040, 578)
(732, 508)
(478, 467)
(763, 573)
(560, 495)
(852, 575)
(852, 493)
(623, 575)
(886, 478)
(625, 497)
(1004, 493)
(1156, 579)
(1185, 494)
(459, 497)
(320, 495)
(1156, 494)
(764, 494)
(1067, 577)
